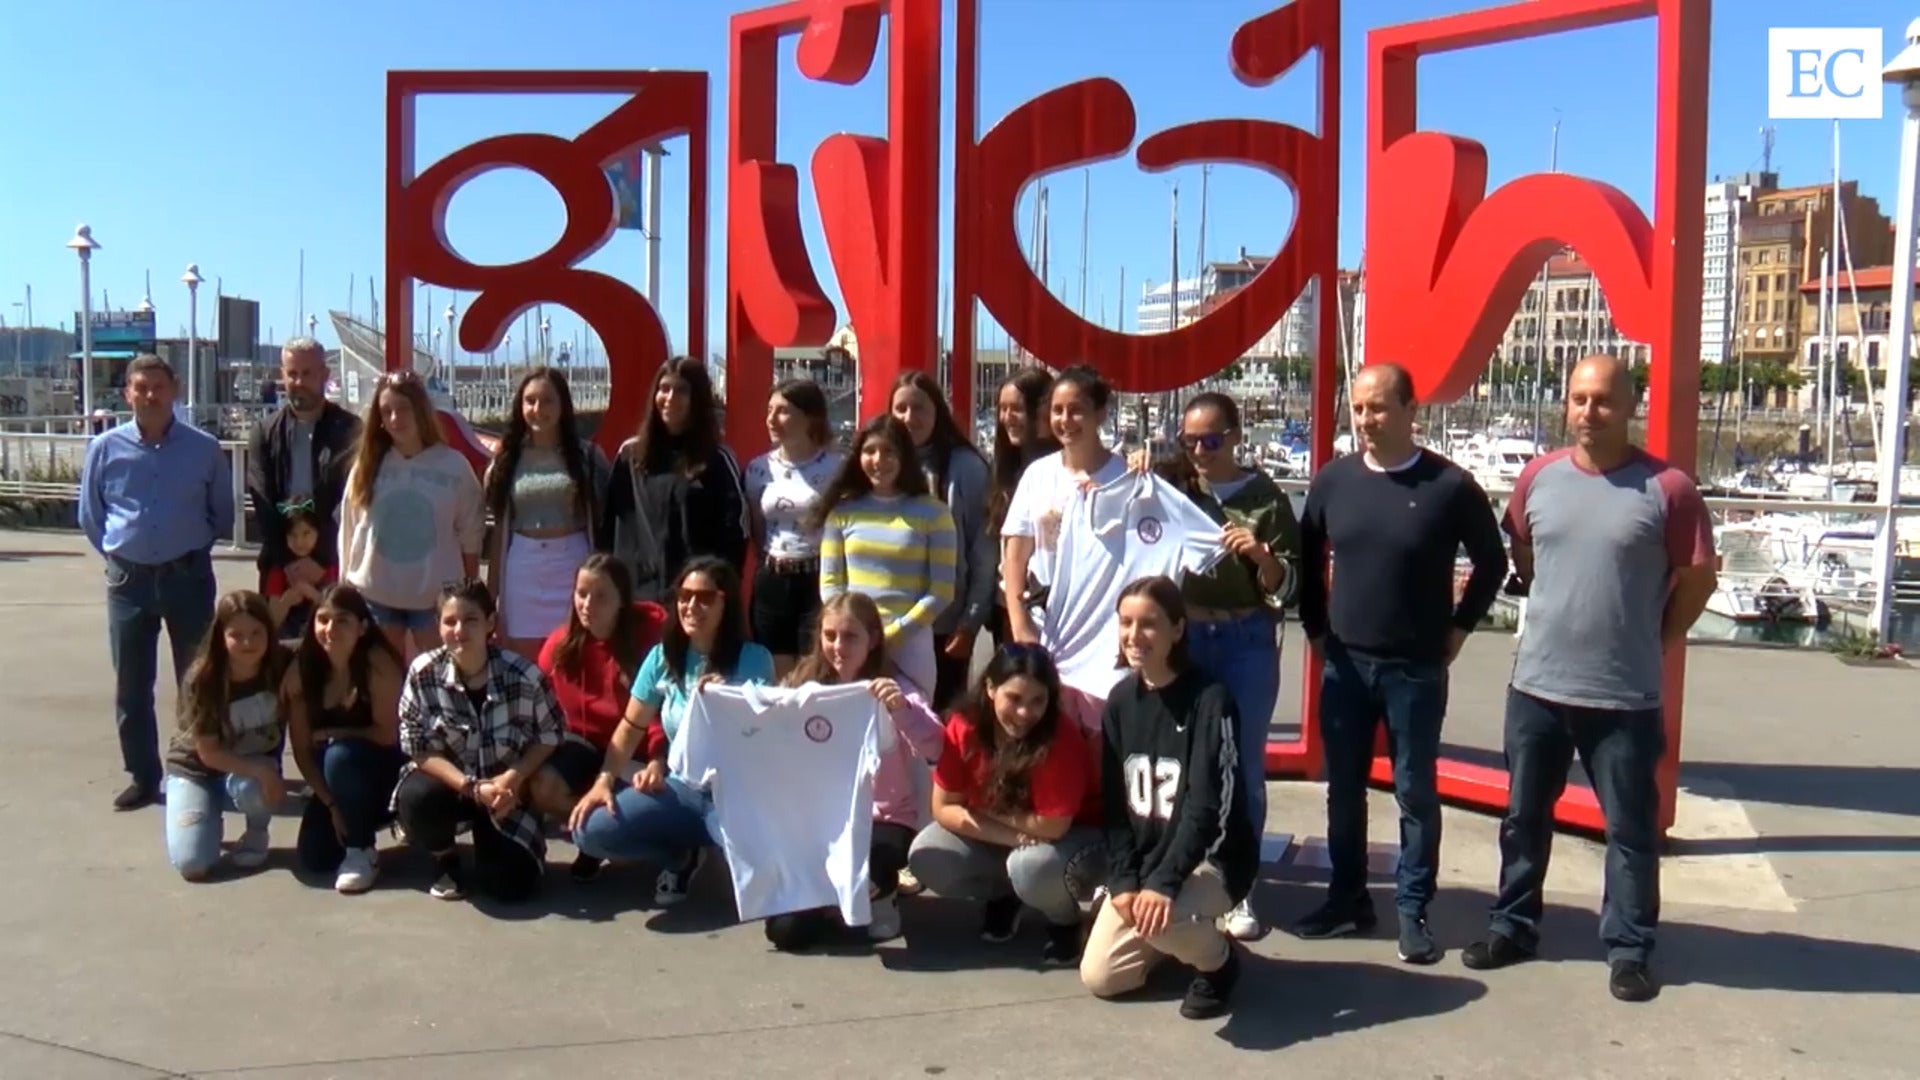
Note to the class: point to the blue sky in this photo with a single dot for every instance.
(236, 135)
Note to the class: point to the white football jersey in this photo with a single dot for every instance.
(791, 771)
(1111, 536)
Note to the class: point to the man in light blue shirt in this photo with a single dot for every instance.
(155, 494)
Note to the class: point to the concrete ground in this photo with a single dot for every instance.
(1788, 945)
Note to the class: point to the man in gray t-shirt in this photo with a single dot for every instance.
(1616, 549)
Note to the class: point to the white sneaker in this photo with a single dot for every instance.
(252, 849)
(885, 925)
(1242, 924)
(358, 869)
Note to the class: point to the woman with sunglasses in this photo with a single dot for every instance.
(884, 534)
(1076, 410)
(1233, 611)
(676, 492)
(956, 475)
(1020, 437)
(783, 491)
(654, 816)
(412, 519)
(544, 490)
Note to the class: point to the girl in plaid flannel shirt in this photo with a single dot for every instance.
(477, 722)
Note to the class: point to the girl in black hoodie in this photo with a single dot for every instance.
(675, 490)
(1180, 849)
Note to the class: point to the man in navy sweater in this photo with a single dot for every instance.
(1392, 520)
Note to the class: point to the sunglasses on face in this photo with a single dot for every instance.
(701, 597)
(1209, 442)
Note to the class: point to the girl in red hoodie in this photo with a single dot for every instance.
(591, 663)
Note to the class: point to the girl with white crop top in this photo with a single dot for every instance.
(783, 490)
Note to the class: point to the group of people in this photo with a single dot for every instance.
(1109, 756)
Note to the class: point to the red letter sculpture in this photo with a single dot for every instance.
(878, 199)
(663, 105)
(1448, 263)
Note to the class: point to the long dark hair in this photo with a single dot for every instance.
(728, 638)
(625, 642)
(1010, 459)
(851, 481)
(506, 460)
(1165, 596)
(1010, 762)
(814, 667)
(810, 401)
(310, 658)
(947, 438)
(207, 691)
(653, 448)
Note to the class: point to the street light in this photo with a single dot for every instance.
(84, 245)
(1904, 71)
(192, 279)
(546, 328)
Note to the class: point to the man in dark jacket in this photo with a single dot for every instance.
(302, 452)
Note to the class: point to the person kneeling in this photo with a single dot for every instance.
(1180, 849)
(1015, 805)
(476, 722)
(850, 647)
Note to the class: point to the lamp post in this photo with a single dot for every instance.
(452, 379)
(192, 279)
(546, 328)
(1904, 71)
(84, 245)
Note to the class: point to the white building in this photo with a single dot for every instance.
(1719, 285)
(1151, 315)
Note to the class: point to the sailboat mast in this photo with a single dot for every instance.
(1831, 345)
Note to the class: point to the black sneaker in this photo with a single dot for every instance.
(1416, 942)
(1333, 919)
(1063, 946)
(1631, 981)
(1210, 991)
(585, 868)
(135, 796)
(1496, 952)
(1001, 920)
(451, 883)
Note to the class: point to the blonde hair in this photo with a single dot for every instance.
(374, 440)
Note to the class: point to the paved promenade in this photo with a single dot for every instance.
(1790, 948)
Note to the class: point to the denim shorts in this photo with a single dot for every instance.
(413, 621)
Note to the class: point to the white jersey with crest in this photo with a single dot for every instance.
(791, 771)
(1111, 536)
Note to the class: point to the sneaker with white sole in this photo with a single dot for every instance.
(252, 849)
(1242, 924)
(452, 882)
(885, 925)
(358, 869)
(672, 885)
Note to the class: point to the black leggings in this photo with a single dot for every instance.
(886, 857)
(431, 813)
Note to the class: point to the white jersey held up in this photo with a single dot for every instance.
(1111, 536)
(791, 772)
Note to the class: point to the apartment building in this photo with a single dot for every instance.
(1781, 238)
(1727, 199)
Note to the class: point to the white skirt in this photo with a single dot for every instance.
(913, 659)
(536, 584)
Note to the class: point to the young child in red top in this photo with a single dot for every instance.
(1015, 806)
(591, 663)
(292, 602)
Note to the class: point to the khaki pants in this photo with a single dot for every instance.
(1117, 959)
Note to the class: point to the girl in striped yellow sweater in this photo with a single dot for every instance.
(884, 535)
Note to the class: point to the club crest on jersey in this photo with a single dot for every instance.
(1149, 530)
(818, 728)
(783, 504)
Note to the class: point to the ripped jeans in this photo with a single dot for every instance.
(196, 811)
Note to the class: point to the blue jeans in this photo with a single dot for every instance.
(1620, 750)
(1244, 655)
(360, 776)
(1357, 692)
(140, 598)
(196, 810)
(662, 828)
(409, 620)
